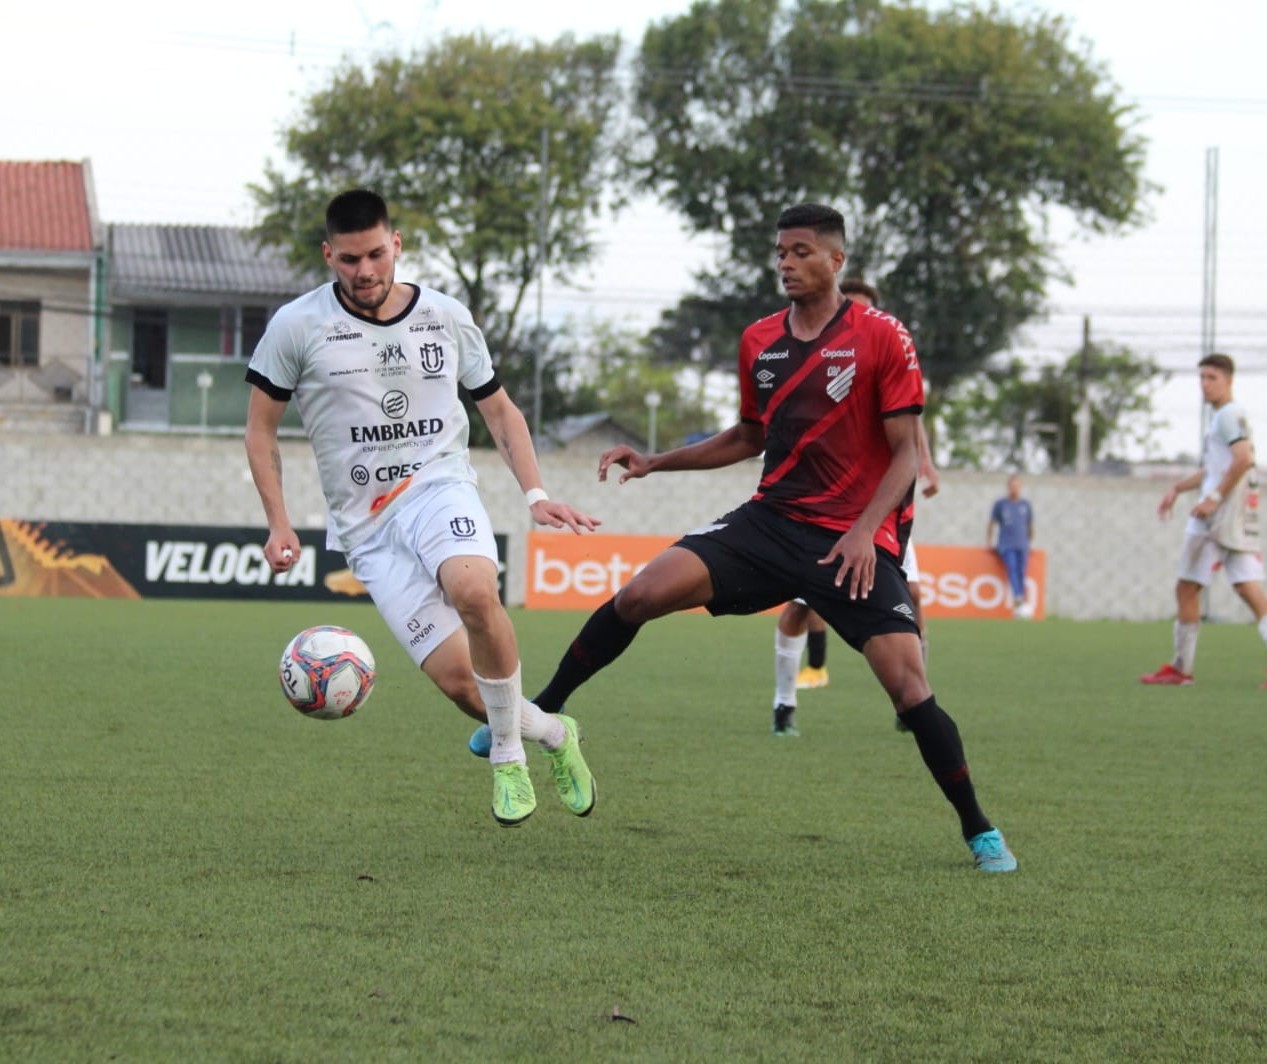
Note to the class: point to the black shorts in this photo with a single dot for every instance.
(759, 559)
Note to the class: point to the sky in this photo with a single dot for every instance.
(178, 107)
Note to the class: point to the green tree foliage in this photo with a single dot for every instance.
(946, 136)
(452, 138)
(1006, 416)
(611, 371)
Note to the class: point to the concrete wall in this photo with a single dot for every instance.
(1108, 555)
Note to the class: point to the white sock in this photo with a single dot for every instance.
(787, 663)
(1262, 629)
(1186, 645)
(503, 701)
(538, 726)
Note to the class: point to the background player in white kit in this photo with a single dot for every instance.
(1222, 530)
(374, 365)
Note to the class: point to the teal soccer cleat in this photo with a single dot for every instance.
(481, 741)
(991, 853)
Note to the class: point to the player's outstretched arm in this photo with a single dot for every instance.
(743, 440)
(263, 416)
(509, 430)
(1167, 504)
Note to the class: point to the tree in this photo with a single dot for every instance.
(452, 138)
(611, 371)
(947, 137)
(1009, 415)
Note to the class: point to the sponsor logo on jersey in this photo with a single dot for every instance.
(395, 405)
(838, 387)
(904, 337)
(342, 330)
(391, 355)
(399, 430)
(425, 326)
(772, 356)
(432, 357)
(837, 353)
(385, 474)
(462, 527)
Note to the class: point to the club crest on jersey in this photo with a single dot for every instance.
(839, 385)
(432, 357)
(462, 527)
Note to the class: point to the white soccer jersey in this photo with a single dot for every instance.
(379, 400)
(1228, 424)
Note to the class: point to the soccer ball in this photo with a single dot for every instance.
(327, 672)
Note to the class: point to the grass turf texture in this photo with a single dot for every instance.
(192, 871)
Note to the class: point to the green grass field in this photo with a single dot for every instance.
(192, 871)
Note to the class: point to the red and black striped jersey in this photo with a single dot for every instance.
(822, 404)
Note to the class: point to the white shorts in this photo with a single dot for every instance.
(1201, 557)
(399, 563)
(909, 563)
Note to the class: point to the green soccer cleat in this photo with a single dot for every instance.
(991, 852)
(513, 798)
(572, 777)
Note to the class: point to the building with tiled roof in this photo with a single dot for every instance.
(188, 304)
(50, 298)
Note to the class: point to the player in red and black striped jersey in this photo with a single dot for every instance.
(832, 393)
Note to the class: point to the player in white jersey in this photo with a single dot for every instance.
(374, 366)
(1222, 529)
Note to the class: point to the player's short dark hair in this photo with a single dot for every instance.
(824, 220)
(355, 211)
(1217, 361)
(856, 286)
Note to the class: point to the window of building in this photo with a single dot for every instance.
(254, 321)
(19, 334)
(241, 329)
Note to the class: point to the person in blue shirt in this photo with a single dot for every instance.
(1008, 534)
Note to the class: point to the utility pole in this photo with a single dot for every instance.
(543, 209)
(1082, 417)
(1209, 269)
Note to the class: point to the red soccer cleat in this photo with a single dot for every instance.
(1168, 675)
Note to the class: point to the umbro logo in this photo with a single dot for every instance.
(904, 610)
(765, 378)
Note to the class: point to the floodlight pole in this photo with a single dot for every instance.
(543, 209)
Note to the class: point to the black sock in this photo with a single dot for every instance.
(600, 642)
(817, 644)
(940, 746)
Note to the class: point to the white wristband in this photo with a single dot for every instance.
(1215, 495)
(535, 495)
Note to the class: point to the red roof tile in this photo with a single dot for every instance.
(44, 207)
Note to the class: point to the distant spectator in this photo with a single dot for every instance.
(1009, 533)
